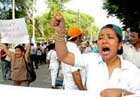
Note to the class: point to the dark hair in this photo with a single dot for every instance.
(116, 28)
(137, 30)
(118, 32)
(51, 46)
(32, 44)
(73, 39)
(6, 44)
(20, 47)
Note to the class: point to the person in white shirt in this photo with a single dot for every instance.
(107, 74)
(85, 47)
(53, 64)
(132, 51)
(39, 54)
(72, 74)
(33, 56)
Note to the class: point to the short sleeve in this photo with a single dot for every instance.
(83, 60)
(79, 60)
(55, 55)
(74, 68)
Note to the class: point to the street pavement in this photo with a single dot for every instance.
(43, 78)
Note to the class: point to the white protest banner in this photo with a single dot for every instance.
(14, 31)
(16, 91)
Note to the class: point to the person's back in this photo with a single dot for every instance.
(52, 56)
(53, 64)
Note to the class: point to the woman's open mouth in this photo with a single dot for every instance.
(105, 50)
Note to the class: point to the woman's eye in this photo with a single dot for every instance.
(110, 37)
(100, 38)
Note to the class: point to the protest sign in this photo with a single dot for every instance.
(14, 31)
(14, 91)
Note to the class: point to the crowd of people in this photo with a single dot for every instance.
(107, 66)
(107, 73)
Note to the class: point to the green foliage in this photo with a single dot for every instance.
(24, 8)
(21, 8)
(72, 18)
(128, 11)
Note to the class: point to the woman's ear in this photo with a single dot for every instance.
(23, 53)
(120, 46)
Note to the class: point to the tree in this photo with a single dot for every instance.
(23, 8)
(128, 11)
(72, 18)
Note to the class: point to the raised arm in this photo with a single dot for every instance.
(61, 49)
(4, 47)
(27, 53)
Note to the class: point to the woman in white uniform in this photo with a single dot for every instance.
(107, 74)
(53, 64)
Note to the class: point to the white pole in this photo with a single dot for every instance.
(13, 9)
(78, 17)
(13, 15)
(33, 25)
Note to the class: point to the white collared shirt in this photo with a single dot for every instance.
(52, 56)
(67, 70)
(131, 54)
(53, 59)
(127, 77)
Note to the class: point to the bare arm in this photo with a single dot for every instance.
(61, 49)
(27, 53)
(9, 53)
(114, 92)
(77, 79)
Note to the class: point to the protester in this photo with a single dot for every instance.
(18, 64)
(5, 64)
(44, 51)
(39, 54)
(107, 73)
(33, 56)
(94, 47)
(132, 51)
(88, 47)
(53, 64)
(83, 47)
(71, 74)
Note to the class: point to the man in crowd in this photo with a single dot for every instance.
(5, 64)
(72, 75)
(132, 51)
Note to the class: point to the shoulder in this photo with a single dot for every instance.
(126, 46)
(49, 52)
(130, 66)
(53, 52)
(91, 57)
(71, 45)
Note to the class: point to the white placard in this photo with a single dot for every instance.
(17, 91)
(14, 31)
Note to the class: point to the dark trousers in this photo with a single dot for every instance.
(33, 60)
(6, 69)
(39, 59)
